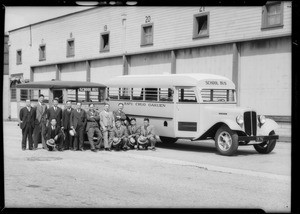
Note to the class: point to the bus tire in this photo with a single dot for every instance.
(168, 140)
(266, 146)
(226, 141)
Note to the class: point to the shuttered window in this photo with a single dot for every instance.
(19, 57)
(201, 25)
(272, 15)
(104, 42)
(42, 52)
(147, 34)
(70, 48)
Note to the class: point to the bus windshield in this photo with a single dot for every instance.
(218, 95)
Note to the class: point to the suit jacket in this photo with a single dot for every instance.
(47, 133)
(92, 119)
(66, 116)
(41, 113)
(51, 113)
(78, 118)
(106, 118)
(148, 131)
(119, 115)
(27, 117)
(134, 130)
(122, 132)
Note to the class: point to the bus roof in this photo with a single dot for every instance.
(57, 84)
(169, 80)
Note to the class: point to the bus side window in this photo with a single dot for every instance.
(151, 94)
(113, 93)
(124, 93)
(165, 94)
(186, 95)
(137, 93)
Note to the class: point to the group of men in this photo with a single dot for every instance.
(60, 130)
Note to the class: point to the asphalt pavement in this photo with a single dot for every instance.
(182, 175)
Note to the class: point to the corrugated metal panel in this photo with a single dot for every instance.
(44, 73)
(73, 71)
(102, 70)
(266, 76)
(157, 63)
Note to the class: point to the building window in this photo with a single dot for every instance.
(42, 52)
(13, 94)
(19, 57)
(201, 25)
(104, 42)
(70, 48)
(147, 34)
(272, 15)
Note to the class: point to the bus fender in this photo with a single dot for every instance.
(268, 126)
(232, 125)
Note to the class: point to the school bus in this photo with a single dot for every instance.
(195, 107)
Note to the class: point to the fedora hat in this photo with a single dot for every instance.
(132, 141)
(142, 140)
(72, 132)
(50, 142)
(116, 141)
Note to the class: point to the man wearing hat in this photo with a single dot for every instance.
(92, 127)
(119, 136)
(119, 114)
(27, 118)
(134, 132)
(107, 122)
(66, 115)
(78, 123)
(148, 136)
(54, 136)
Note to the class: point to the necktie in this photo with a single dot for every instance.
(54, 108)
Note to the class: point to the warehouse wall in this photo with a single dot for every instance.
(266, 76)
(102, 70)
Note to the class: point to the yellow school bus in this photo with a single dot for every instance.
(195, 107)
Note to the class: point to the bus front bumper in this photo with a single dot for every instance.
(258, 138)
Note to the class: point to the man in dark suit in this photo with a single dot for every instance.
(78, 122)
(55, 112)
(40, 123)
(92, 127)
(54, 132)
(66, 115)
(27, 118)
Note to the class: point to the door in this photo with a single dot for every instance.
(186, 112)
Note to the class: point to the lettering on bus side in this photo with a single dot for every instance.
(144, 104)
(215, 83)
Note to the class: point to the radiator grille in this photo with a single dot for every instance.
(250, 123)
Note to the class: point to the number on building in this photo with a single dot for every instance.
(105, 27)
(201, 9)
(148, 19)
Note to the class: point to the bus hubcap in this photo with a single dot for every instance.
(224, 141)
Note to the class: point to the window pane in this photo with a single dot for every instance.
(137, 94)
(166, 94)
(202, 25)
(24, 94)
(124, 94)
(81, 96)
(187, 95)
(113, 93)
(151, 94)
(220, 95)
(13, 94)
(71, 95)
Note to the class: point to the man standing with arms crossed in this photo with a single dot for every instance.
(27, 118)
(107, 122)
(40, 123)
(92, 127)
(78, 122)
(66, 116)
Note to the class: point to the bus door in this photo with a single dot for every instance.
(186, 112)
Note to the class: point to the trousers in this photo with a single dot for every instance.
(90, 134)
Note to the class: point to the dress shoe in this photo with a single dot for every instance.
(93, 150)
(23, 149)
(81, 150)
(108, 149)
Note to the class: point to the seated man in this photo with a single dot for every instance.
(54, 132)
(119, 136)
(92, 127)
(134, 132)
(148, 136)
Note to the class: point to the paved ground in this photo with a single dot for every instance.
(186, 174)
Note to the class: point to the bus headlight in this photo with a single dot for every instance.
(240, 119)
(262, 119)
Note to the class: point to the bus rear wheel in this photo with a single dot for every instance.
(266, 146)
(226, 141)
(168, 140)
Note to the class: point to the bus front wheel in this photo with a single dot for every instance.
(226, 141)
(168, 140)
(266, 146)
